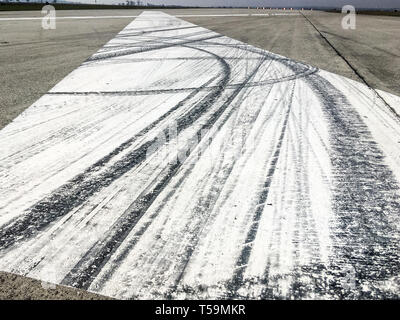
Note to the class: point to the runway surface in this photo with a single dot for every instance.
(180, 163)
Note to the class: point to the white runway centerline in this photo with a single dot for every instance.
(180, 163)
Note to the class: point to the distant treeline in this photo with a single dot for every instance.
(4, 6)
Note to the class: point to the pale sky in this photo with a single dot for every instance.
(271, 3)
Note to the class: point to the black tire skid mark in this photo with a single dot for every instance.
(301, 70)
(69, 164)
(151, 38)
(210, 203)
(96, 269)
(174, 58)
(300, 73)
(303, 160)
(145, 30)
(79, 189)
(65, 134)
(81, 276)
(194, 291)
(146, 42)
(257, 142)
(333, 100)
(276, 240)
(372, 262)
(140, 33)
(365, 194)
(322, 268)
(273, 259)
(237, 278)
(187, 251)
(53, 233)
(297, 224)
(206, 126)
(135, 60)
(178, 90)
(303, 190)
(207, 203)
(141, 231)
(323, 144)
(103, 56)
(304, 218)
(138, 234)
(153, 42)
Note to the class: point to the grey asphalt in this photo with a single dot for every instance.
(33, 60)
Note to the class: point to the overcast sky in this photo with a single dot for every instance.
(272, 3)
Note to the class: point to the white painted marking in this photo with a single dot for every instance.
(293, 182)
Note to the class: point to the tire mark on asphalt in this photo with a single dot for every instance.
(141, 231)
(66, 133)
(300, 69)
(304, 214)
(205, 206)
(365, 195)
(148, 41)
(365, 199)
(177, 90)
(241, 264)
(100, 283)
(79, 189)
(135, 34)
(47, 140)
(106, 252)
(89, 266)
(103, 56)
